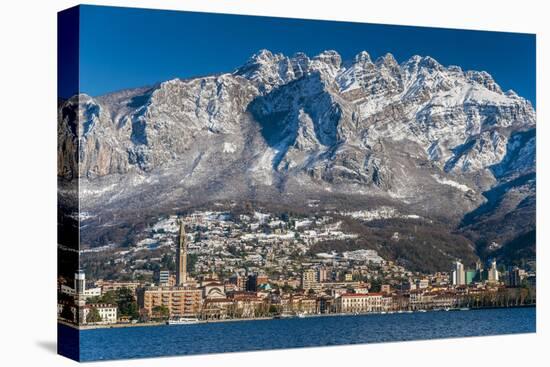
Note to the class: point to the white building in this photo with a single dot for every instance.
(459, 275)
(492, 273)
(422, 283)
(164, 277)
(363, 302)
(107, 312)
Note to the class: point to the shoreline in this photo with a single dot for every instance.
(163, 323)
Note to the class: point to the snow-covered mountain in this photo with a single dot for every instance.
(418, 135)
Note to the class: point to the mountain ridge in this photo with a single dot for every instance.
(433, 138)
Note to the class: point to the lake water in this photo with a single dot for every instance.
(139, 342)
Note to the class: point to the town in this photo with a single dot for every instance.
(218, 266)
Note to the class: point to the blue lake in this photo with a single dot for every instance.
(139, 342)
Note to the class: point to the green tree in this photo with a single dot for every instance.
(109, 297)
(93, 315)
(273, 309)
(161, 312)
(375, 285)
(126, 303)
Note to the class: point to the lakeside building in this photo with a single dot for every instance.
(107, 313)
(79, 314)
(432, 300)
(180, 301)
(363, 303)
(218, 308)
(298, 304)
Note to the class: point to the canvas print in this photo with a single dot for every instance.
(233, 183)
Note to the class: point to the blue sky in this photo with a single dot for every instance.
(123, 47)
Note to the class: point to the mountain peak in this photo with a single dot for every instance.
(387, 60)
(330, 57)
(430, 63)
(362, 57)
(485, 79)
(263, 55)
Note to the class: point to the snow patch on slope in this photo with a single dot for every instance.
(456, 185)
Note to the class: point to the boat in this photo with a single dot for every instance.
(301, 315)
(464, 309)
(287, 315)
(422, 311)
(182, 321)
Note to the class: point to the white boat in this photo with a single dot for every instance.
(182, 321)
(287, 316)
(301, 315)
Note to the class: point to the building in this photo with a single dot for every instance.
(261, 279)
(492, 272)
(213, 290)
(470, 276)
(218, 308)
(111, 285)
(408, 286)
(107, 312)
(515, 276)
(79, 289)
(239, 281)
(309, 280)
(181, 257)
(164, 278)
(247, 304)
(363, 302)
(322, 274)
(459, 275)
(180, 301)
(422, 283)
(385, 288)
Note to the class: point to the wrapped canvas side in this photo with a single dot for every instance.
(67, 177)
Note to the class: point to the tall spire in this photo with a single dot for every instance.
(181, 256)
